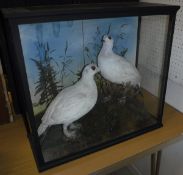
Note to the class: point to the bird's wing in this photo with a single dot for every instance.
(127, 67)
(56, 101)
(71, 108)
(122, 69)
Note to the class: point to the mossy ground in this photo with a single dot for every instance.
(118, 112)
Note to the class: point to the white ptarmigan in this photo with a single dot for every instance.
(72, 102)
(115, 68)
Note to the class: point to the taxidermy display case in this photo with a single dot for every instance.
(88, 75)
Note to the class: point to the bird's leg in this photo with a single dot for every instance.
(67, 133)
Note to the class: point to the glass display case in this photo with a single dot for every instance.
(88, 75)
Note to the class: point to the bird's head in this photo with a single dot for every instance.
(108, 41)
(91, 70)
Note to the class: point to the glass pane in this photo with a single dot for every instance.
(76, 107)
(153, 35)
(56, 55)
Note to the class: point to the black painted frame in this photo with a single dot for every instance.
(13, 17)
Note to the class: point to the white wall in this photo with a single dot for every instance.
(172, 158)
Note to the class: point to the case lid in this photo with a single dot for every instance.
(104, 9)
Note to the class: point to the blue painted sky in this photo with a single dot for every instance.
(78, 34)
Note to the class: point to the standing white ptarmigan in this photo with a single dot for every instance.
(72, 102)
(115, 68)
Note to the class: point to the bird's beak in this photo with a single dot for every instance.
(102, 40)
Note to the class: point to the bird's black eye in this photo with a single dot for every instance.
(109, 37)
(93, 67)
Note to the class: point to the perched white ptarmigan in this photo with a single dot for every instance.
(115, 68)
(72, 102)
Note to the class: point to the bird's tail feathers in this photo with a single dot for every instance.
(42, 128)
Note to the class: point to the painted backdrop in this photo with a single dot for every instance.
(55, 52)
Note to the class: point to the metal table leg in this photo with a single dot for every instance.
(158, 162)
(155, 162)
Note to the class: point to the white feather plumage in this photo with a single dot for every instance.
(72, 102)
(115, 68)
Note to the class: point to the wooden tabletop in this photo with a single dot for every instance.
(16, 156)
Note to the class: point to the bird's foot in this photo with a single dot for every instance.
(75, 126)
(69, 134)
